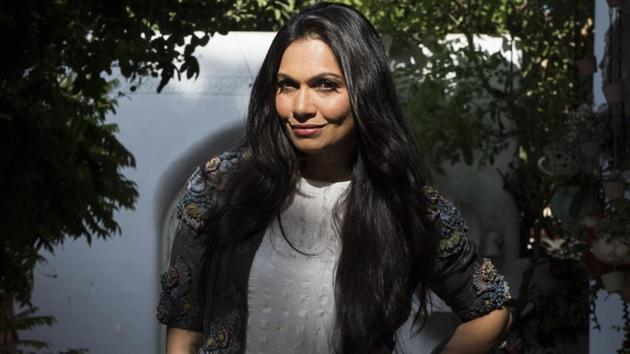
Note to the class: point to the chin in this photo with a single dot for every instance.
(309, 149)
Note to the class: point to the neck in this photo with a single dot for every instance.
(326, 168)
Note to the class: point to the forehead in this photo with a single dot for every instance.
(307, 57)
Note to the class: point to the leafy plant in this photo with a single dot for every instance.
(614, 225)
(62, 162)
(25, 320)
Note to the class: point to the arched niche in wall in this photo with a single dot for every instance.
(173, 182)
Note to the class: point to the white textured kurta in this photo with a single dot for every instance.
(290, 297)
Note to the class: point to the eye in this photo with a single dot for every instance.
(284, 85)
(327, 85)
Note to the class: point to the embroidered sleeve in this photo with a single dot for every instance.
(181, 301)
(472, 287)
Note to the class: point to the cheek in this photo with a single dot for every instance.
(283, 106)
(335, 107)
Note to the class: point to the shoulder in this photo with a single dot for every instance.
(207, 178)
(450, 225)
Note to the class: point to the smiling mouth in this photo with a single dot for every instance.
(305, 130)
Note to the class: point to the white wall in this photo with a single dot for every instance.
(104, 296)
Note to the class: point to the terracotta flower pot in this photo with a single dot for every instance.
(614, 188)
(586, 66)
(616, 3)
(613, 93)
(613, 281)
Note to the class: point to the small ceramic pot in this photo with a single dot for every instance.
(586, 66)
(614, 188)
(613, 93)
(613, 281)
(616, 3)
(560, 160)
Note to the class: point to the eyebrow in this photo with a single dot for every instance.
(314, 78)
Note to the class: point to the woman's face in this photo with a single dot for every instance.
(312, 100)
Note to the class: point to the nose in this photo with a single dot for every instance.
(303, 105)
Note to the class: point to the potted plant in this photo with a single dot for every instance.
(585, 130)
(612, 245)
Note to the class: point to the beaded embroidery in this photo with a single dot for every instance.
(452, 228)
(223, 334)
(194, 207)
(490, 287)
(176, 301)
(221, 337)
(490, 291)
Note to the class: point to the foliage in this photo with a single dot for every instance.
(65, 164)
(24, 320)
(469, 105)
(559, 299)
(62, 162)
(615, 223)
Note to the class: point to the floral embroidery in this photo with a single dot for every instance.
(224, 335)
(176, 301)
(213, 164)
(194, 207)
(453, 229)
(490, 287)
(221, 337)
(433, 197)
(218, 167)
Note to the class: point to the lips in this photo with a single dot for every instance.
(304, 130)
(306, 126)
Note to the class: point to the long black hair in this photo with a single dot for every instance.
(387, 243)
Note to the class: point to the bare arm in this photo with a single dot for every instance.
(181, 341)
(478, 336)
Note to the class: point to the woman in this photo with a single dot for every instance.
(318, 232)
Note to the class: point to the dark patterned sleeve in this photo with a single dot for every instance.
(472, 287)
(181, 301)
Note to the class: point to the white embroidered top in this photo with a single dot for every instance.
(290, 295)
